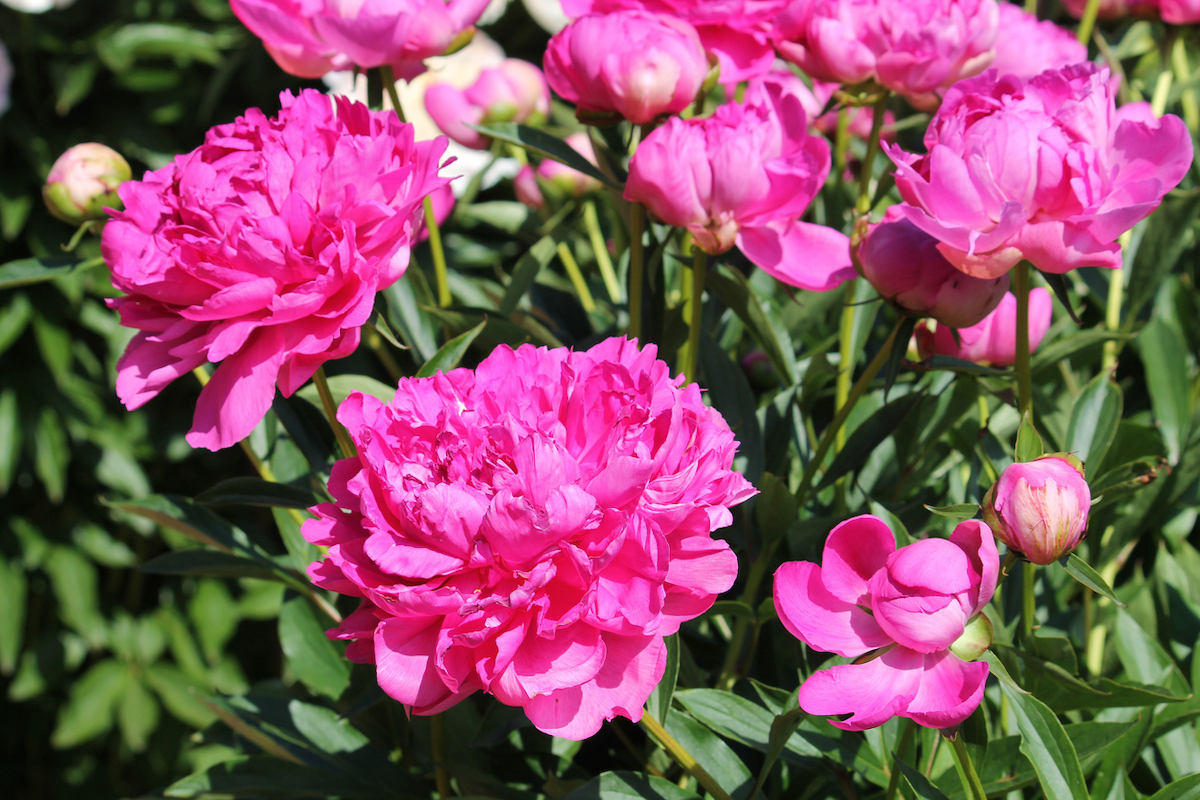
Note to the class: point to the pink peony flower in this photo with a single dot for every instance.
(1040, 508)
(514, 91)
(744, 176)
(1028, 46)
(84, 180)
(263, 250)
(737, 32)
(1114, 9)
(813, 101)
(631, 64)
(1180, 12)
(918, 605)
(532, 529)
(309, 38)
(568, 181)
(526, 188)
(993, 342)
(913, 47)
(1048, 170)
(902, 262)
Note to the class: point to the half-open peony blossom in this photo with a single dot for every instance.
(532, 529)
(309, 38)
(1048, 170)
(993, 340)
(913, 604)
(263, 249)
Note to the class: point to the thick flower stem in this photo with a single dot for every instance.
(439, 255)
(637, 223)
(1024, 378)
(901, 752)
(591, 221)
(695, 316)
(845, 354)
(389, 84)
(1028, 604)
(1031, 6)
(1112, 317)
(864, 178)
(572, 267)
(683, 758)
(972, 786)
(339, 430)
(437, 725)
(1088, 21)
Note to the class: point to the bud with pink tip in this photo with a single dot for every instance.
(525, 186)
(514, 91)
(83, 181)
(568, 181)
(1040, 508)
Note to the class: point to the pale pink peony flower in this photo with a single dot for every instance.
(1048, 170)
(514, 91)
(631, 64)
(1040, 508)
(914, 47)
(568, 181)
(737, 32)
(526, 188)
(531, 529)
(743, 176)
(992, 342)
(309, 38)
(83, 180)
(920, 605)
(263, 250)
(902, 262)
(1027, 46)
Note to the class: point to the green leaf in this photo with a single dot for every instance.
(1046, 744)
(12, 621)
(1029, 441)
(137, 715)
(1082, 571)
(183, 516)
(629, 786)
(734, 290)
(659, 702)
(1184, 789)
(214, 615)
(730, 393)
(451, 353)
(869, 435)
(264, 776)
(526, 270)
(91, 707)
(122, 48)
(1051, 354)
(1164, 355)
(315, 660)
(207, 563)
(342, 386)
(10, 438)
(28, 271)
(775, 509)
(325, 728)
(782, 729)
(74, 580)
(1166, 239)
(919, 783)
(416, 327)
(256, 492)
(1095, 415)
(958, 365)
(179, 695)
(1126, 478)
(52, 453)
(959, 511)
(543, 144)
(717, 758)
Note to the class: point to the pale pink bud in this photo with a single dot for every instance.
(515, 91)
(526, 187)
(1040, 508)
(83, 181)
(571, 182)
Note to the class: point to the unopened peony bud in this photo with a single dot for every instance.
(975, 640)
(527, 190)
(83, 181)
(514, 91)
(568, 181)
(1040, 508)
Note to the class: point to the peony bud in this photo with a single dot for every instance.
(1040, 508)
(83, 181)
(514, 91)
(526, 187)
(568, 181)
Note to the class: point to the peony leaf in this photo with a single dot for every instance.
(869, 435)
(659, 702)
(209, 563)
(1029, 441)
(542, 143)
(317, 662)
(734, 290)
(1164, 355)
(450, 354)
(958, 511)
(27, 271)
(256, 492)
(629, 786)
(1095, 415)
(1046, 744)
(1183, 789)
(1082, 571)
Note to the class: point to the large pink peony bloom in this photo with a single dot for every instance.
(263, 250)
(632, 64)
(744, 176)
(993, 341)
(1028, 46)
(513, 91)
(913, 47)
(1048, 170)
(532, 529)
(913, 603)
(737, 32)
(309, 38)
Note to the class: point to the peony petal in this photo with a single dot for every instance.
(813, 257)
(855, 550)
(819, 619)
(239, 393)
(404, 661)
(976, 540)
(871, 693)
(951, 690)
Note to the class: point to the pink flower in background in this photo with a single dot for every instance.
(309, 38)
(83, 180)
(1114, 9)
(737, 32)
(526, 188)
(631, 64)
(566, 180)
(743, 176)
(1027, 46)
(515, 91)
(263, 250)
(902, 262)
(1040, 508)
(1048, 170)
(1180, 12)
(993, 342)
(919, 604)
(813, 101)
(913, 47)
(532, 529)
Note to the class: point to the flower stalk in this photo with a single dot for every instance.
(339, 430)
(1024, 376)
(967, 775)
(683, 758)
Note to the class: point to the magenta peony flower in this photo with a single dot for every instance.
(919, 605)
(913, 47)
(1028, 46)
(514, 91)
(631, 64)
(263, 250)
(1040, 508)
(309, 38)
(737, 32)
(744, 176)
(992, 342)
(532, 529)
(902, 262)
(83, 180)
(1048, 170)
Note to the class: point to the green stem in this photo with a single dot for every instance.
(389, 84)
(1088, 21)
(966, 770)
(437, 724)
(901, 752)
(572, 268)
(591, 221)
(439, 255)
(845, 354)
(842, 141)
(1028, 602)
(339, 430)
(1112, 312)
(1024, 378)
(864, 178)
(683, 758)
(695, 315)
(637, 267)
(1031, 6)
(1183, 74)
(1162, 93)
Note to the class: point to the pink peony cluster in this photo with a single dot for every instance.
(1176, 12)
(743, 176)
(532, 529)
(993, 341)
(263, 250)
(514, 91)
(1040, 508)
(917, 606)
(1047, 170)
(914, 47)
(309, 38)
(1028, 46)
